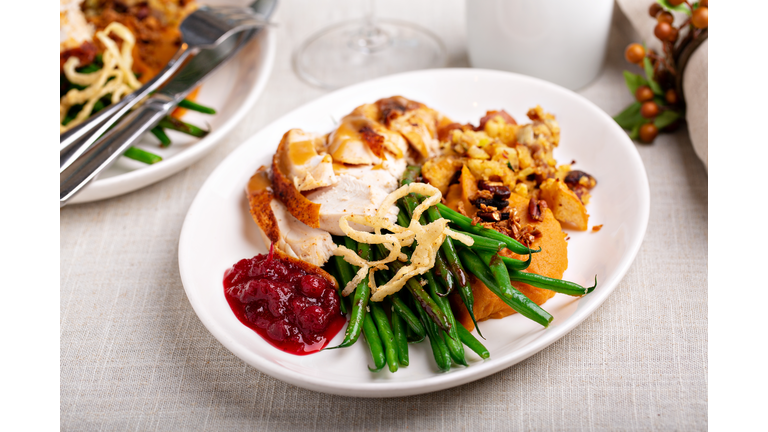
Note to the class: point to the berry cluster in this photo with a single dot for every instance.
(658, 103)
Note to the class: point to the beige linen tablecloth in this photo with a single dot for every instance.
(134, 356)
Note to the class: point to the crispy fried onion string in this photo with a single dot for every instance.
(428, 237)
(115, 78)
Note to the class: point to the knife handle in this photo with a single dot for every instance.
(109, 147)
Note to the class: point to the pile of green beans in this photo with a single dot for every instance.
(422, 310)
(159, 131)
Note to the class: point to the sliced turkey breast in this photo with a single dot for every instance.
(312, 245)
(385, 175)
(305, 161)
(351, 195)
(415, 121)
(359, 140)
(278, 226)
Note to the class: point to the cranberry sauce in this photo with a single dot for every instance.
(296, 311)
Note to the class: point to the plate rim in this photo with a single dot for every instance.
(122, 184)
(439, 381)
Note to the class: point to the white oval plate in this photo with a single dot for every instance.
(231, 90)
(218, 230)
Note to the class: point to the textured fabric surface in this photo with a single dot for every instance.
(134, 356)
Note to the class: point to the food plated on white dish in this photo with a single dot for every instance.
(117, 47)
(219, 230)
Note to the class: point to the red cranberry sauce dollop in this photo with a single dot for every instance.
(295, 311)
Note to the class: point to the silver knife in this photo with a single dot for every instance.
(116, 141)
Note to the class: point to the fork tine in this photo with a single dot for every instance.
(207, 26)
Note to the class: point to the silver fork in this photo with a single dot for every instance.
(205, 28)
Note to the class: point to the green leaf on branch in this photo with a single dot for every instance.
(666, 118)
(630, 117)
(649, 76)
(634, 81)
(635, 132)
(679, 8)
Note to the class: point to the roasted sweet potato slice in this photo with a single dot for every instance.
(565, 204)
(551, 262)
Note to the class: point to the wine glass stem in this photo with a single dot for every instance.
(369, 9)
(370, 38)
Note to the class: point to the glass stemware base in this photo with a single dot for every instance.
(352, 52)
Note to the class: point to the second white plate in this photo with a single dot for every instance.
(231, 90)
(218, 230)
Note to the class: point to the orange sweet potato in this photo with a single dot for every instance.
(566, 206)
(551, 262)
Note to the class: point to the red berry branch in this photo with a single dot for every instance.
(659, 103)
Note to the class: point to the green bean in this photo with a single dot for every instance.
(89, 68)
(407, 315)
(516, 264)
(344, 271)
(465, 224)
(411, 174)
(429, 305)
(439, 348)
(142, 155)
(472, 343)
(375, 346)
(160, 134)
(386, 335)
(465, 287)
(402, 219)
(444, 273)
(448, 265)
(409, 201)
(481, 243)
(71, 114)
(498, 269)
(188, 104)
(370, 333)
(406, 215)
(455, 347)
(413, 337)
(517, 301)
(359, 302)
(421, 296)
(448, 249)
(400, 307)
(556, 285)
(98, 106)
(175, 124)
(401, 340)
